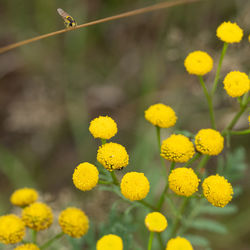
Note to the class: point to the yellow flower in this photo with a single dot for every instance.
(249, 120)
(23, 197)
(12, 229)
(156, 222)
(209, 142)
(249, 38)
(229, 32)
(135, 186)
(161, 115)
(28, 246)
(217, 190)
(109, 242)
(103, 127)
(183, 181)
(85, 176)
(236, 83)
(198, 63)
(177, 148)
(37, 216)
(179, 243)
(112, 156)
(74, 222)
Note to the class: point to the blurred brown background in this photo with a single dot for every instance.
(51, 89)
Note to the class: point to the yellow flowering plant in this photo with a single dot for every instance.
(190, 188)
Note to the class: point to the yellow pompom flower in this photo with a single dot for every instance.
(217, 190)
(249, 38)
(156, 222)
(236, 83)
(179, 243)
(103, 127)
(249, 120)
(23, 197)
(109, 242)
(85, 176)
(183, 181)
(198, 63)
(177, 148)
(229, 32)
(12, 229)
(135, 186)
(37, 216)
(161, 115)
(112, 156)
(209, 142)
(74, 222)
(28, 246)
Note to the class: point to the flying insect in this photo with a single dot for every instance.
(69, 21)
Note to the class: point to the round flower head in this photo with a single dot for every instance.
(249, 120)
(198, 63)
(229, 32)
(135, 186)
(12, 229)
(74, 222)
(103, 127)
(23, 197)
(209, 142)
(217, 190)
(109, 242)
(179, 243)
(183, 181)
(249, 38)
(112, 156)
(177, 148)
(37, 216)
(236, 83)
(161, 115)
(156, 222)
(28, 246)
(85, 176)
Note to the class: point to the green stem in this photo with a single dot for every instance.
(209, 101)
(196, 156)
(178, 218)
(103, 141)
(202, 163)
(217, 76)
(34, 236)
(115, 181)
(105, 182)
(161, 200)
(49, 242)
(172, 206)
(145, 204)
(242, 132)
(158, 134)
(150, 240)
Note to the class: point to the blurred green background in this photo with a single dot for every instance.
(51, 89)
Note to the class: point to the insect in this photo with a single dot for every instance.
(68, 20)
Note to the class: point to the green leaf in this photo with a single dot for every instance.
(208, 225)
(209, 209)
(197, 240)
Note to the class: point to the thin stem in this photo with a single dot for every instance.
(105, 182)
(49, 242)
(178, 218)
(242, 132)
(34, 236)
(150, 240)
(196, 156)
(151, 8)
(202, 163)
(161, 200)
(146, 204)
(217, 76)
(209, 101)
(158, 134)
(115, 180)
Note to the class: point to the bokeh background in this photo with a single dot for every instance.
(51, 89)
